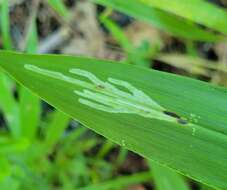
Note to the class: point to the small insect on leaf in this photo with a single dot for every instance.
(180, 120)
(171, 114)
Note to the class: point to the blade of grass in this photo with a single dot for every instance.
(59, 7)
(191, 64)
(32, 40)
(133, 56)
(105, 149)
(167, 179)
(121, 157)
(30, 103)
(55, 129)
(7, 103)
(9, 106)
(30, 111)
(120, 182)
(191, 48)
(75, 135)
(73, 138)
(116, 31)
(11, 146)
(5, 25)
(196, 129)
(204, 187)
(10, 183)
(160, 19)
(5, 168)
(191, 9)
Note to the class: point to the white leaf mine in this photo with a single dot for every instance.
(107, 95)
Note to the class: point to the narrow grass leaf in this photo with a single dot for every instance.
(30, 111)
(122, 155)
(9, 106)
(12, 146)
(5, 168)
(8, 103)
(5, 25)
(133, 55)
(160, 19)
(120, 182)
(59, 7)
(192, 64)
(173, 120)
(167, 179)
(105, 149)
(32, 40)
(210, 15)
(55, 129)
(29, 104)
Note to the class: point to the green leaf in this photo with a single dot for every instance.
(55, 129)
(120, 182)
(5, 25)
(5, 168)
(9, 106)
(8, 103)
(167, 179)
(173, 120)
(59, 7)
(133, 55)
(11, 146)
(204, 187)
(9, 183)
(32, 36)
(160, 19)
(192, 64)
(105, 149)
(28, 102)
(210, 15)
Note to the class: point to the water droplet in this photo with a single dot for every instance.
(193, 131)
(194, 118)
(192, 115)
(123, 143)
(9, 117)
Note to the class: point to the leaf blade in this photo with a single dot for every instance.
(153, 138)
(191, 9)
(160, 19)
